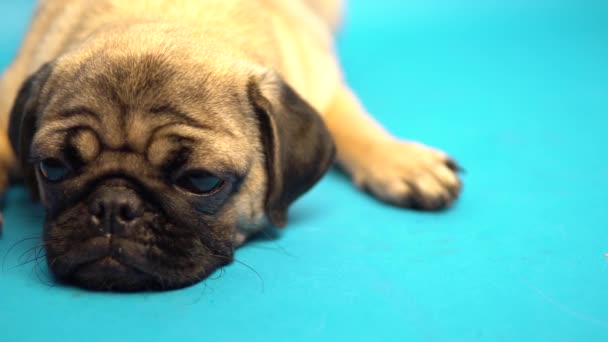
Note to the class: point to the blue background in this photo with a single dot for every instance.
(516, 90)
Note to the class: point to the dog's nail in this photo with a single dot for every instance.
(453, 165)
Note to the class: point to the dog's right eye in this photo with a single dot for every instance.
(53, 170)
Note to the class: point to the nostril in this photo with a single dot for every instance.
(125, 213)
(128, 212)
(97, 210)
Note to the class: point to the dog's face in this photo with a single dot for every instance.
(152, 167)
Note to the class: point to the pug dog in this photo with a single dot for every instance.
(160, 134)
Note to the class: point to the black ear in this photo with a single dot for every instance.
(23, 123)
(298, 146)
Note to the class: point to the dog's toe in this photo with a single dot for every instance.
(410, 175)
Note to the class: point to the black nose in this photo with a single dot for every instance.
(113, 209)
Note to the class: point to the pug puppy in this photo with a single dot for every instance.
(160, 134)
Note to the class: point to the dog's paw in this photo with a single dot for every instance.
(2, 194)
(3, 186)
(6, 160)
(408, 174)
(4, 180)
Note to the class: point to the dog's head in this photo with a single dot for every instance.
(153, 166)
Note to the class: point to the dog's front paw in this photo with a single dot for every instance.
(1, 223)
(407, 174)
(5, 162)
(3, 186)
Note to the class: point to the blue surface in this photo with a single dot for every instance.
(516, 90)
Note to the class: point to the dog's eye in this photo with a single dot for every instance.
(199, 182)
(53, 170)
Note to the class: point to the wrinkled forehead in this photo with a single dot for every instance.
(144, 104)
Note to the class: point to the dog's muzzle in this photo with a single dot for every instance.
(115, 248)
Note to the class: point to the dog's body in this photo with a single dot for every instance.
(205, 115)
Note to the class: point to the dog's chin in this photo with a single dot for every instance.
(147, 258)
(110, 274)
(106, 264)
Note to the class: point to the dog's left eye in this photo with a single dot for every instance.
(199, 182)
(53, 170)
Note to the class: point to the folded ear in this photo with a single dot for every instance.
(23, 123)
(297, 144)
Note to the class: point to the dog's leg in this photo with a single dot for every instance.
(8, 90)
(329, 10)
(6, 163)
(402, 173)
